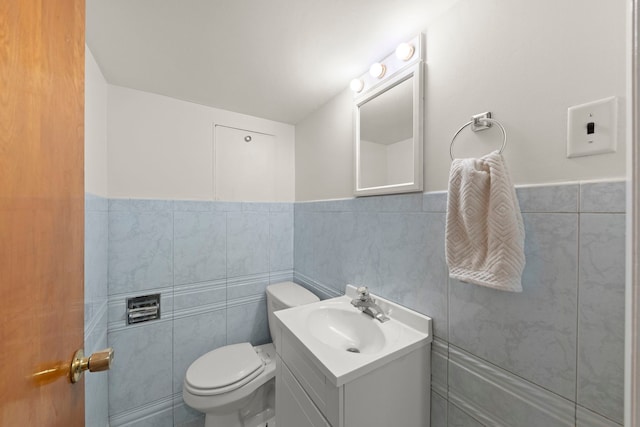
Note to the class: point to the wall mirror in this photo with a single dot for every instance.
(388, 135)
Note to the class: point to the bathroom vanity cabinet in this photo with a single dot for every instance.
(396, 393)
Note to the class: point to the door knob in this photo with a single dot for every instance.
(98, 361)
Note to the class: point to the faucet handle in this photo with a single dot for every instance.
(363, 292)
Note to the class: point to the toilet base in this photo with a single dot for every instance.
(266, 418)
(232, 419)
(271, 422)
(258, 412)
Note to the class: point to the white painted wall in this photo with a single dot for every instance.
(527, 62)
(162, 148)
(324, 151)
(95, 128)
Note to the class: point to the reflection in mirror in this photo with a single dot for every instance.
(388, 137)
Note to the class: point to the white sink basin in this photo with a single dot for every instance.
(345, 343)
(346, 329)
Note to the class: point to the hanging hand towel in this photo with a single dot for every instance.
(485, 233)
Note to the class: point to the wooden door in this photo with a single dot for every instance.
(41, 210)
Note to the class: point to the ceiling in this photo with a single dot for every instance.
(276, 59)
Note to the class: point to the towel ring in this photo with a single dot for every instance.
(469, 123)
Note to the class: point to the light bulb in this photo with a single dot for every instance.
(377, 70)
(404, 51)
(356, 85)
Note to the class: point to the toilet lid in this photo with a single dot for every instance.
(224, 367)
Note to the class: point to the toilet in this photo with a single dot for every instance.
(234, 385)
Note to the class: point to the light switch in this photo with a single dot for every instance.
(592, 128)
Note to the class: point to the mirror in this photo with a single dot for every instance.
(388, 136)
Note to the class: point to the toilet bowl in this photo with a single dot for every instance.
(231, 384)
(234, 385)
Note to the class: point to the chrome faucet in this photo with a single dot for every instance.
(367, 305)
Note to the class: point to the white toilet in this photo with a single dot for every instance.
(234, 385)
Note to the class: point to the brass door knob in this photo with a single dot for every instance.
(98, 361)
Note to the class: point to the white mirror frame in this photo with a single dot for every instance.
(417, 72)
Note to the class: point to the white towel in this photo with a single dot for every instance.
(485, 233)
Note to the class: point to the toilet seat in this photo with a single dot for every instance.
(223, 370)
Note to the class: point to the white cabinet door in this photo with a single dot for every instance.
(294, 407)
(245, 165)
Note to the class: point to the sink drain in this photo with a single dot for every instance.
(353, 350)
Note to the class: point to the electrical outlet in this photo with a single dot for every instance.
(592, 128)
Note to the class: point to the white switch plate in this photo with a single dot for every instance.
(604, 114)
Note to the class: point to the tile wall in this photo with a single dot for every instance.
(549, 356)
(211, 263)
(95, 309)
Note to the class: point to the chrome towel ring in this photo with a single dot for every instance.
(480, 121)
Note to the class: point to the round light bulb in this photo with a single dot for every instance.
(404, 51)
(377, 70)
(356, 85)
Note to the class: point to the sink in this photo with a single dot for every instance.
(345, 343)
(346, 329)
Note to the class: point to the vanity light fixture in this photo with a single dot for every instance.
(386, 69)
(405, 51)
(356, 85)
(378, 70)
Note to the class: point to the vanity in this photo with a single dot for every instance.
(340, 367)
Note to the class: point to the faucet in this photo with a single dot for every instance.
(367, 305)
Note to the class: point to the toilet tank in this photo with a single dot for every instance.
(285, 295)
